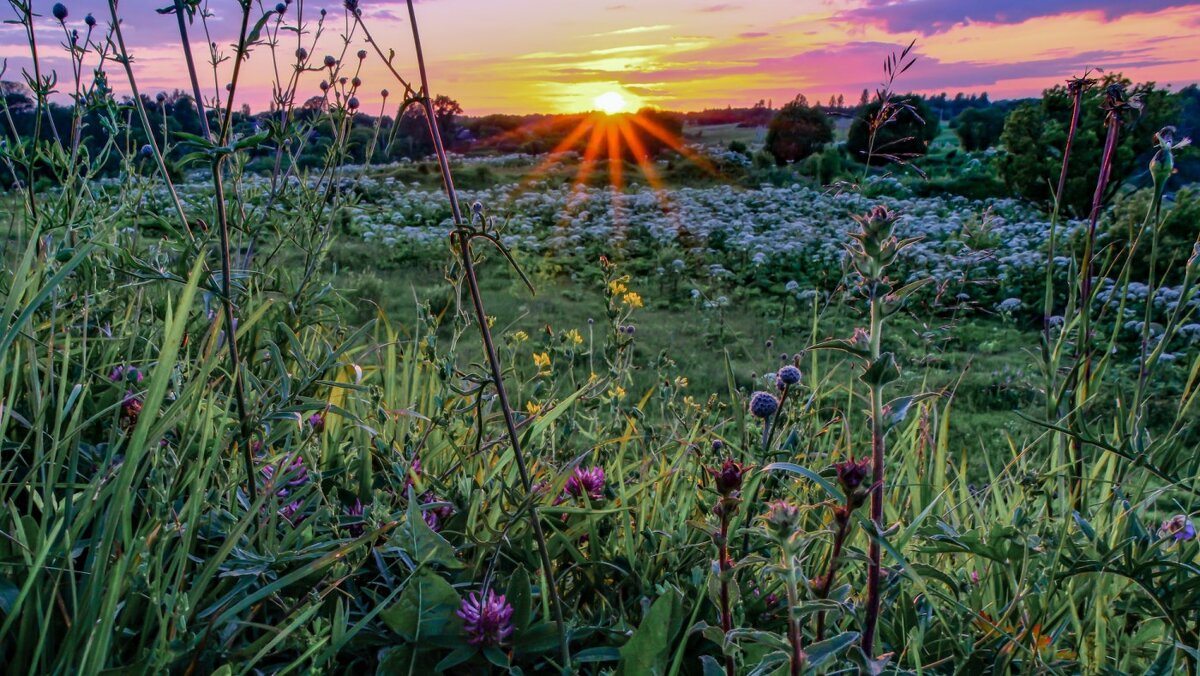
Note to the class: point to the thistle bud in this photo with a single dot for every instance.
(59, 11)
(782, 519)
(728, 479)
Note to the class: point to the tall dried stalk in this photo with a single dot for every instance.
(463, 238)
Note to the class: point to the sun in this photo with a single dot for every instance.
(611, 103)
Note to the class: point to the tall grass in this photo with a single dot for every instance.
(209, 468)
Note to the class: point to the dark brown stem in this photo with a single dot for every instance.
(1083, 369)
(464, 247)
(724, 566)
(835, 556)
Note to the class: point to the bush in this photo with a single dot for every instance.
(1176, 234)
(979, 128)
(905, 135)
(797, 132)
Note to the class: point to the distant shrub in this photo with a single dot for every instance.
(979, 128)
(797, 131)
(907, 135)
(1176, 235)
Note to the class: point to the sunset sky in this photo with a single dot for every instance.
(522, 56)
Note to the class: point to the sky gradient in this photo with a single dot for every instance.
(523, 56)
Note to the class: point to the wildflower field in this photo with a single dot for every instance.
(673, 413)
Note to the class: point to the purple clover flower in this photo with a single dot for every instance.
(355, 511)
(589, 481)
(487, 621)
(298, 472)
(435, 516)
(1179, 527)
(289, 512)
(125, 372)
(317, 422)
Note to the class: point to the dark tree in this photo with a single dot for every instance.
(797, 132)
(902, 133)
(979, 128)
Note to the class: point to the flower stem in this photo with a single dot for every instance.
(464, 242)
(877, 478)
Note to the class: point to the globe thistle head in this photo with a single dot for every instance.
(362, 54)
(356, 81)
(59, 11)
(729, 477)
(352, 104)
(280, 8)
(384, 93)
(789, 375)
(586, 481)
(717, 445)
(90, 21)
(763, 404)
(147, 150)
(352, 6)
(324, 86)
(487, 620)
(301, 54)
(330, 62)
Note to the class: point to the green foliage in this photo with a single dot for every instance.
(902, 136)
(979, 128)
(1035, 136)
(797, 131)
(1177, 232)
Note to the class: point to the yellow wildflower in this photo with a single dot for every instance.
(574, 337)
(616, 287)
(632, 299)
(681, 382)
(542, 360)
(520, 336)
(593, 377)
(533, 408)
(617, 392)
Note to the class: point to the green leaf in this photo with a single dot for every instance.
(833, 491)
(1164, 664)
(881, 371)
(420, 542)
(425, 609)
(771, 663)
(647, 650)
(597, 655)
(537, 639)
(519, 595)
(460, 654)
(711, 666)
(823, 651)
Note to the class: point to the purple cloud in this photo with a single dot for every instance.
(937, 16)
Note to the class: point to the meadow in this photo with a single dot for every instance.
(688, 412)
